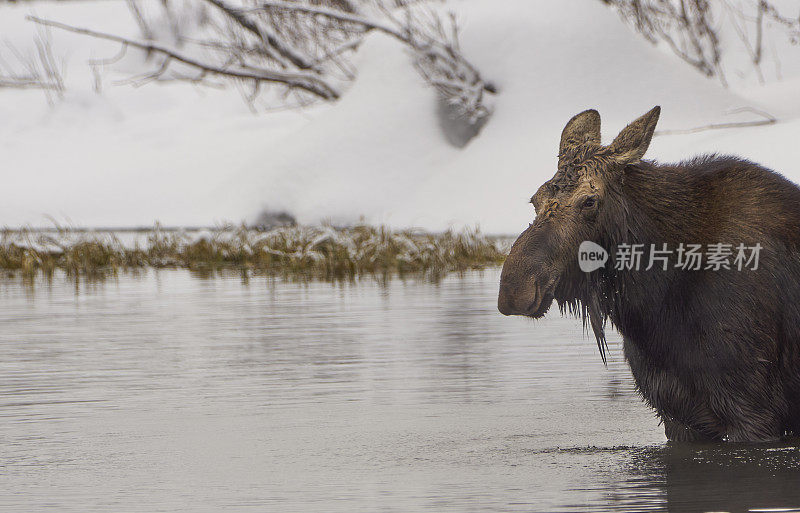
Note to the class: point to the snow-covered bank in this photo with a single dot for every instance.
(189, 156)
(301, 251)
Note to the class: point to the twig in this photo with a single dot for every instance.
(329, 13)
(307, 82)
(263, 34)
(26, 83)
(331, 54)
(769, 120)
(426, 48)
(137, 15)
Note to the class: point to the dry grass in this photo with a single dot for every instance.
(320, 252)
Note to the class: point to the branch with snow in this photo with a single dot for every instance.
(306, 82)
(685, 25)
(265, 34)
(434, 48)
(303, 46)
(696, 29)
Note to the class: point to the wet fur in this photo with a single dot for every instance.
(715, 353)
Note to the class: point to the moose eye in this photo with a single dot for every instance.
(589, 202)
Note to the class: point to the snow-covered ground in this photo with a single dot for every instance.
(186, 155)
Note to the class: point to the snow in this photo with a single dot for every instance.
(188, 155)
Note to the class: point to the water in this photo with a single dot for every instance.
(167, 392)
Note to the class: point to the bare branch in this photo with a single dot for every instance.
(265, 35)
(26, 83)
(350, 45)
(330, 13)
(39, 69)
(137, 15)
(111, 60)
(769, 119)
(690, 30)
(303, 47)
(436, 52)
(310, 83)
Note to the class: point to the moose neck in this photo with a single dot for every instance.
(654, 208)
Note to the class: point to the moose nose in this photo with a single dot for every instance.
(504, 303)
(511, 302)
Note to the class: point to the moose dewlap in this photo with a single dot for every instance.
(714, 347)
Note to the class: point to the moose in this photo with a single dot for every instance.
(713, 349)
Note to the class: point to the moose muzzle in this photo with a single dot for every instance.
(526, 296)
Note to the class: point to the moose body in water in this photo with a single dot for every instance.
(714, 348)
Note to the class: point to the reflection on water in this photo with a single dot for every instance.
(723, 477)
(164, 392)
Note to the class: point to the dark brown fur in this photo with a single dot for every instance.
(715, 353)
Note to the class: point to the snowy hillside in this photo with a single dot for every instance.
(185, 155)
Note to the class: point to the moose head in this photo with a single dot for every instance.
(584, 201)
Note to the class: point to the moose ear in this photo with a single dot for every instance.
(582, 128)
(631, 144)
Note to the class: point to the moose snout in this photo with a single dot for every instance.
(518, 298)
(527, 284)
